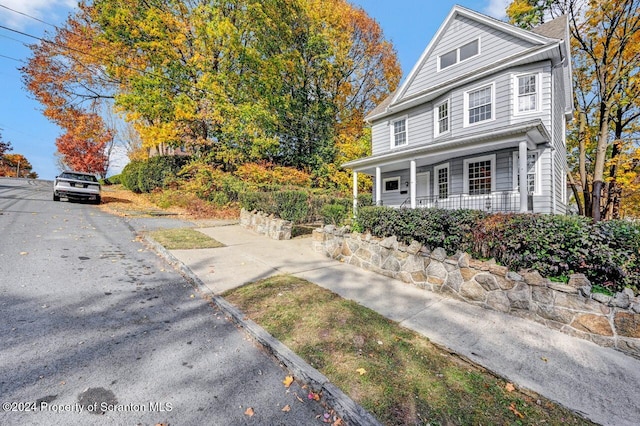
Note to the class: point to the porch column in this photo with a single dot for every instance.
(522, 173)
(378, 187)
(412, 183)
(355, 193)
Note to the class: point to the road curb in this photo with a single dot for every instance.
(347, 409)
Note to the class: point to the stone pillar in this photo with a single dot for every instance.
(522, 173)
(412, 183)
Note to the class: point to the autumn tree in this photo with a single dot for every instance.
(66, 75)
(17, 165)
(604, 137)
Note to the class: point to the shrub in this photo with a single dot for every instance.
(267, 174)
(334, 213)
(129, 175)
(556, 246)
(158, 171)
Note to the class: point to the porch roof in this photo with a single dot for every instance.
(533, 132)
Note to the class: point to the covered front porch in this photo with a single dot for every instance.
(482, 174)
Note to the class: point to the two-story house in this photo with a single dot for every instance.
(484, 109)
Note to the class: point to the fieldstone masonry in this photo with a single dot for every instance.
(610, 321)
(269, 225)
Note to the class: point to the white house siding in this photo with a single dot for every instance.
(495, 45)
(420, 120)
(560, 151)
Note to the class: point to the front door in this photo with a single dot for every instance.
(422, 189)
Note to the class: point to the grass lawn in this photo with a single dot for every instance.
(394, 373)
(184, 239)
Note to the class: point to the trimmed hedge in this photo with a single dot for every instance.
(298, 206)
(156, 172)
(608, 253)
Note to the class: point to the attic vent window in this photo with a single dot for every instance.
(460, 54)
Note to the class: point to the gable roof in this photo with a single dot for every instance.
(546, 35)
(556, 28)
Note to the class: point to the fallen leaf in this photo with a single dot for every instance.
(361, 371)
(287, 381)
(512, 407)
(314, 396)
(510, 387)
(299, 399)
(338, 422)
(249, 412)
(544, 359)
(23, 253)
(286, 408)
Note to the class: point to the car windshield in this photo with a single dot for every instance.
(79, 176)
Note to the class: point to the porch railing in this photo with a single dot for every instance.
(506, 201)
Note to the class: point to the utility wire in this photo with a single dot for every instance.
(14, 59)
(27, 15)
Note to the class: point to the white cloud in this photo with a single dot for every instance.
(497, 8)
(51, 11)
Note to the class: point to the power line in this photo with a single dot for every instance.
(27, 15)
(14, 59)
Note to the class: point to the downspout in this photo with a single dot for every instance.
(553, 141)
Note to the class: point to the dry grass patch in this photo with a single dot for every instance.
(396, 374)
(120, 201)
(184, 239)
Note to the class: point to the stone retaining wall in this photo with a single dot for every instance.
(571, 308)
(269, 225)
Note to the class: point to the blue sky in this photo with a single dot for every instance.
(409, 24)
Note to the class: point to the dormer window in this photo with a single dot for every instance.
(460, 54)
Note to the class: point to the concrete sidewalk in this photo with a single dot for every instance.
(602, 384)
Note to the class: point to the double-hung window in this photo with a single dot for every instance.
(527, 93)
(479, 175)
(441, 116)
(399, 132)
(479, 105)
(441, 181)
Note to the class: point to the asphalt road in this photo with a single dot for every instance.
(97, 329)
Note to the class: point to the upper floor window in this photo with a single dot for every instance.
(460, 54)
(479, 175)
(527, 86)
(479, 105)
(442, 118)
(399, 132)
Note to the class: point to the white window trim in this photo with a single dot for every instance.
(457, 50)
(516, 95)
(392, 132)
(384, 184)
(465, 168)
(436, 118)
(538, 190)
(436, 188)
(493, 105)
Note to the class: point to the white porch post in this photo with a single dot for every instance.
(355, 193)
(412, 183)
(522, 173)
(378, 187)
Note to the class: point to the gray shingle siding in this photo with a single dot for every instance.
(494, 46)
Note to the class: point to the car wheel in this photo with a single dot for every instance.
(97, 200)
(56, 198)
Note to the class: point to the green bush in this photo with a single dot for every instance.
(556, 246)
(158, 171)
(334, 213)
(129, 175)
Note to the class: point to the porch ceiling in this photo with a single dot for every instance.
(534, 133)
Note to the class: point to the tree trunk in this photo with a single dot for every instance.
(576, 194)
(582, 163)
